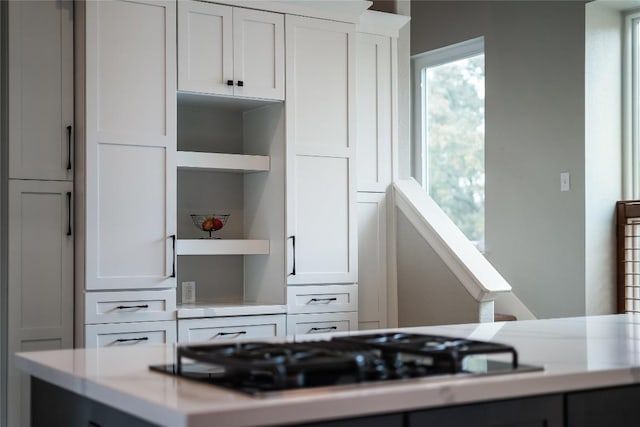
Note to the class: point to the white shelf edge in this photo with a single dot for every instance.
(190, 311)
(191, 160)
(221, 247)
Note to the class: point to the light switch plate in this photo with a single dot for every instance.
(188, 292)
(565, 181)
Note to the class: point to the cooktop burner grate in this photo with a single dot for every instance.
(262, 367)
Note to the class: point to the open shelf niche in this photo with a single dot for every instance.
(231, 160)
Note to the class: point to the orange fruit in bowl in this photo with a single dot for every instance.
(209, 224)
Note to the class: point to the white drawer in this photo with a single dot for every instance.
(322, 298)
(304, 324)
(126, 334)
(130, 306)
(231, 328)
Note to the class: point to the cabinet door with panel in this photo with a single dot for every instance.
(128, 334)
(223, 329)
(374, 111)
(130, 175)
(320, 134)
(224, 50)
(41, 90)
(40, 274)
(372, 260)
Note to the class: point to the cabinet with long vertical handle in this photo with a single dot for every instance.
(126, 106)
(40, 197)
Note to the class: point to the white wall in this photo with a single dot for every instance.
(535, 129)
(603, 152)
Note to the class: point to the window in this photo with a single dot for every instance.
(632, 102)
(449, 132)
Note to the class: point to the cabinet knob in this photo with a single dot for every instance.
(240, 83)
(229, 82)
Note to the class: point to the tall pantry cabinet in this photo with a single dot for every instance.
(377, 122)
(321, 179)
(40, 188)
(126, 185)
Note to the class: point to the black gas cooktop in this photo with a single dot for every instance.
(259, 368)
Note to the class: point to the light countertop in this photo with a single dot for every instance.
(577, 353)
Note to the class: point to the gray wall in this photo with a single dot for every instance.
(535, 129)
(427, 291)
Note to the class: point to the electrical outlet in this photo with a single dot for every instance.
(188, 292)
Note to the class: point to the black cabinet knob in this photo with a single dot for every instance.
(229, 82)
(240, 83)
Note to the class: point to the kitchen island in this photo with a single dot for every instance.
(591, 376)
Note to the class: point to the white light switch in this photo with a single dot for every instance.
(565, 181)
(188, 292)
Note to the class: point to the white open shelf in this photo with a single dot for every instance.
(221, 309)
(221, 247)
(192, 160)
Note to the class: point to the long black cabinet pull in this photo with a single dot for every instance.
(293, 243)
(132, 339)
(173, 268)
(328, 328)
(221, 334)
(124, 307)
(327, 300)
(68, 148)
(68, 213)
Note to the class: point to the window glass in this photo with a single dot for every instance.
(449, 113)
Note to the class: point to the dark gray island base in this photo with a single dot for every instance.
(617, 406)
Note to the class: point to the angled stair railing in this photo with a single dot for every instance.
(481, 280)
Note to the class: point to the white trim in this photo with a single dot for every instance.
(475, 273)
(449, 53)
(631, 108)
(381, 23)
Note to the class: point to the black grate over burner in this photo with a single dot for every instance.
(258, 367)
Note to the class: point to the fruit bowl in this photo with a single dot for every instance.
(210, 222)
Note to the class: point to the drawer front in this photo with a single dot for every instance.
(131, 306)
(322, 298)
(230, 328)
(127, 334)
(307, 324)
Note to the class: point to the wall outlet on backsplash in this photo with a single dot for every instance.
(188, 292)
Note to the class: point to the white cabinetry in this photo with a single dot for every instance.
(321, 180)
(230, 328)
(377, 106)
(225, 50)
(41, 90)
(372, 244)
(306, 324)
(130, 175)
(39, 200)
(40, 274)
(126, 106)
(127, 334)
(314, 309)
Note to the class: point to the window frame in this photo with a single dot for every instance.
(419, 63)
(631, 106)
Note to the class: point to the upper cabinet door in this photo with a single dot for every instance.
(205, 48)
(374, 108)
(258, 41)
(225, 50)
(41, 91)
(130, 150)
(320, 128)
